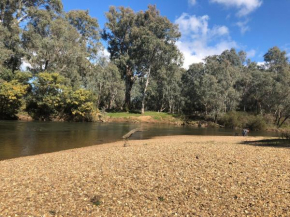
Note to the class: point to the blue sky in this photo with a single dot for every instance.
(210, 26)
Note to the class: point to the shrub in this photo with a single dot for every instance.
(256, 123)
(45, 101)
(11, 97)
(285, 135)
(79, 106)
(233, 120)
(243, 120)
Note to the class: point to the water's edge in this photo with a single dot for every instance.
(19, 139)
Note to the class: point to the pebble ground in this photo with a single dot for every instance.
(168, 176)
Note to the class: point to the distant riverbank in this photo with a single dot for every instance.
(161, 118)
(180, 175)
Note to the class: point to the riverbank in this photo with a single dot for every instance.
(180, 175)
(151, 117)
(147, 117)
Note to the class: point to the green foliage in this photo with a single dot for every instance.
(256, 123)
(5, 74)
(140, 44)
(106, 83)
(51, 98)
(241, 120)
(78, 105)
(234, 120)
(286, 135)
(11, 95)
(45, 101)
(14, 14)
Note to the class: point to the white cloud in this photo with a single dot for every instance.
(261, 63)
(188, 24)
(199, 41)
(244, 7)
(192, 2)
(243, 26)
(251, 53)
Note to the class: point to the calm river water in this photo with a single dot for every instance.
(30, 138)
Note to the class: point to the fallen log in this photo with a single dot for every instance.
(128, 135)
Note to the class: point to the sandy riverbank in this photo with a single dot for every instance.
(169, 176)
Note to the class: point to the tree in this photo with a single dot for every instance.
(278, 65)
(106, 83)
(164, 93)
(276, 60)
(139, 43)
(155, 41)
(119, 33)
(212, 87)
(68, 44)
(13, 14)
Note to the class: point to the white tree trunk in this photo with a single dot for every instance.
(145, 90)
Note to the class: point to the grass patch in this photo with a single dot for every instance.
(154, 115)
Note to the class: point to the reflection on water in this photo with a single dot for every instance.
(30, 138)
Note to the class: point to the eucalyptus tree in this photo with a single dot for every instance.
(120, 33)
(169, 87)
(245, 84)
(140, 43)
(14, 14)
(88, 41)
(106, 83)
(190, 86)
(278, 65)
(155, 40)
(201, 91)
(66, 44)
(226, 68)
(276, 60)
(211, 87)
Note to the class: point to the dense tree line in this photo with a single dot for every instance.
(69, 78)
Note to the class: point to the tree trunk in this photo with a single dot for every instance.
(129, 81)
(145, 90)
(280, 125)
(46, 65)
(278, 118)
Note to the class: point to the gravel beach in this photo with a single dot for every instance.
(166, 176)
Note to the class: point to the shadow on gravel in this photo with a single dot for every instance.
(276, 143)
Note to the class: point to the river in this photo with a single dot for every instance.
(19, 139)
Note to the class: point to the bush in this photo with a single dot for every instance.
(11, 97)
(285, 135)
(50, 99)
(79, 106)
(45, 101)
(233, 120)
(240, 120)
(256, 123)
